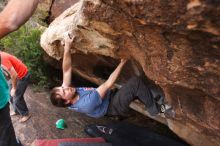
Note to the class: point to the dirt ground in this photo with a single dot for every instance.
(41, 125)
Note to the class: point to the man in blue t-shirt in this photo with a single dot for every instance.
(12, 17)
(97, 102)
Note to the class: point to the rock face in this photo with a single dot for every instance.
(59, 6)
(176, 43)
(2, 4)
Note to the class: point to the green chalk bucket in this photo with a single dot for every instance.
(61, 124)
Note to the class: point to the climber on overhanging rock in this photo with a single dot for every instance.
(97, 102)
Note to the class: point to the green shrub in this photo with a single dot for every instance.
(25, 45)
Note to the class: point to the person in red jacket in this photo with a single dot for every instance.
(20, 77)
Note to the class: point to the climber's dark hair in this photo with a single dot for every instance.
(56, 98)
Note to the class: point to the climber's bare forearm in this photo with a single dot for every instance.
(67, 62)
(102, 89)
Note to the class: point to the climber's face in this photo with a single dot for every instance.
(67, 93)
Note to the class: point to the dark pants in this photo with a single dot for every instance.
(7, 133)
(18, 102)
(135, 88)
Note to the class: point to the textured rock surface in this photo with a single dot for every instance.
(59, 6)
(2, 4)
(175, 42)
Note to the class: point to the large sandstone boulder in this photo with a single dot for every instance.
(2, 4)
(176, 43)
(59, 6)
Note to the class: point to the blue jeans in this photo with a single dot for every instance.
(18, 102)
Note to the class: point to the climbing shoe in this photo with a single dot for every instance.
(167, 111)
(98, 130)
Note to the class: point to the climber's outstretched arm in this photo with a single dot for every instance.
(67, 62)
(102, 89)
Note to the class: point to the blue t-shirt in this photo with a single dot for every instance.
(90, 102)
(4, 90)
